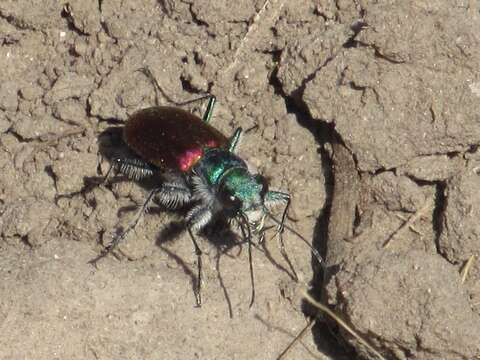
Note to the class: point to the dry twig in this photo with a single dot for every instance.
(342, 323)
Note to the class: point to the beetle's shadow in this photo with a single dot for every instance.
(111, 144)
(219, 234)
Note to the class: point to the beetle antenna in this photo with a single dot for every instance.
(243, 222)
(281, 224)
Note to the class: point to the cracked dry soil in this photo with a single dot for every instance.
(365, 111)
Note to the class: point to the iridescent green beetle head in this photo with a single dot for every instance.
(240, 191)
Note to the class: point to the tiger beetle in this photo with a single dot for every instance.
(197, 167)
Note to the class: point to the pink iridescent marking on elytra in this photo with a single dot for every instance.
(212, 144)
(189, 158)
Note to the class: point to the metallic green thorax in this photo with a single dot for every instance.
(215, 162)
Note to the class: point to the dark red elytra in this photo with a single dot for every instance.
(170, 138)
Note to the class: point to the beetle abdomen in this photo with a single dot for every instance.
(170, 138)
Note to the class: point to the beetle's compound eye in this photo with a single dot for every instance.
(229, 201)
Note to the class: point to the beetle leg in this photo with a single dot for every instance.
(233, 141)
(133, 168)
(211, 102)
(273, 198)
(117, 239)
(109, 171)
(173, 195)
(276, 197)
(209, 110)
(198, 217)
(148, 73)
